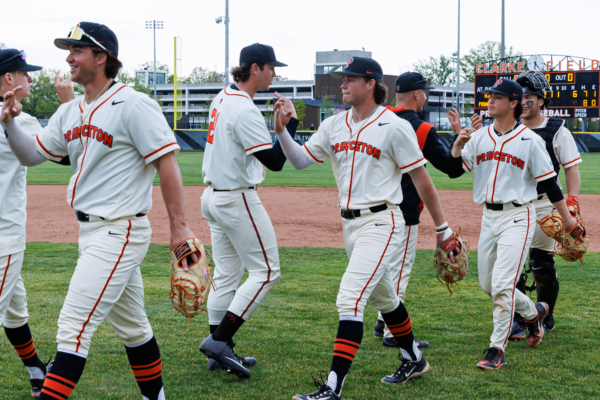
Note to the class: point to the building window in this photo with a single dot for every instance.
(328, 69)
(160, 78)
(141, 77)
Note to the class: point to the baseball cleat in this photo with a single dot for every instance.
(517, 332)
(37, 384)
(549, 323)
(390, 342)
(494, 359)
(213, 365)
(379, 326)
(407, 371)
(223, 353)
(324, 392)
(536, 327)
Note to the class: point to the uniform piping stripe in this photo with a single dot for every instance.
(159, 149)
(403, 260)
(378, 264)
(541, 176)
(264, 254)
(234, 94)
(491, 137)
(104, 288)
(260, 145)
(465, 164)
(565, 164)
(45, 149)
(498, 164)
(411, 164)
(87, 140)
(354, 154)
(512, 306)
(5, 272)
(311, 154)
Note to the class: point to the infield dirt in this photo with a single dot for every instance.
(302, 217)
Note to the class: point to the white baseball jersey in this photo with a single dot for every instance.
(13, 197)
(237, 130)
(368, 158)
(506, 168)
(112, 141)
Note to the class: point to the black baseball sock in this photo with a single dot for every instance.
(213, 328)
(22, 341)
(147, 368)
(63, 377)
(346, 346)
(399, 325)
(228, 327)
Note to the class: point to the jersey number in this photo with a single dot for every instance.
(214, 117)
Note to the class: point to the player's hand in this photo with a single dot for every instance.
(178, 235)
(454, 118)
(287, 104)
(282, 114)
(463, 137)
(11, 107)
(570, 223)
(476, 121)
(439, 237)
(64, 88)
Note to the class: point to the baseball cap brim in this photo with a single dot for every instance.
(340, 75)
(490, 91)
(63, 44)
(29, 68)
(277, 64)
(428, 87)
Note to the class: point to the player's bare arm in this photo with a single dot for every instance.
(573, 180)
(172, 192)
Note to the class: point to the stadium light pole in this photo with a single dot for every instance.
(219, 20)
(502, 42)
(458, 63)
(154, 25)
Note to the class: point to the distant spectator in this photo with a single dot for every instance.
(312, 127)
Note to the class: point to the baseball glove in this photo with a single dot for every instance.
(449, 272)
(573, 244)
(190, 289)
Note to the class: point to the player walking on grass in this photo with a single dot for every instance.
(118, 139)
(562, 150)
(508, 161)
(410, 99)
(370, 149)
(238, 148)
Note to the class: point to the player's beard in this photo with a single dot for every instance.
(85, 76)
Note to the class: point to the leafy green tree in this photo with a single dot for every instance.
(439, 70)
(126, 78)
(467, 108)
(487, 51)
(43, 100)
(327, 106)
(2, 46)
(203, 75)
(300, 108)
(280, 78)
(393, 103)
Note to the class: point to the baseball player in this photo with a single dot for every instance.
(238, 148)
(410, 88)
(563, 151)
(370, 149)
(118, 139)
(13, 214)
(508, 161)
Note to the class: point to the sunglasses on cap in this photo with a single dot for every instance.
(77, 33)
(21, 54)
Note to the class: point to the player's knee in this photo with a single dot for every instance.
(542, 267)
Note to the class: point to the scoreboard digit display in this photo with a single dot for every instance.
(575, 94)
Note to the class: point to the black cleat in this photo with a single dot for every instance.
(494, 359)
(223, 353)
(324, 392)
(549, 323)
(213, 365)
(390, 343)
(407, 371)
(536, 326)
(517, 332)
(378, 330)
(37, 384)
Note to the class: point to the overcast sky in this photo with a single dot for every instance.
(398, 32)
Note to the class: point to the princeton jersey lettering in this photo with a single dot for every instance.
(111, 150)
(506, 168)
(236, 131)
(368, 159)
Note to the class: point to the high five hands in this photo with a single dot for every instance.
(455, 122)
(283, 111)
(11, 107)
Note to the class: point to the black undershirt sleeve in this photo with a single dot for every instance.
(434, 151)
(552, 190)
(273, 158)
(65, 161)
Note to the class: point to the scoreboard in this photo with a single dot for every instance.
(575, 94)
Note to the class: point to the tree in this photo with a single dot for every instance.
(327, 106)
(43, 101)
(439, 70)
(149, 65)
(487, 51)
(280, 78)
(393, 103)
(2, 46)
(135, 83)
(300, 109)
(202, 75)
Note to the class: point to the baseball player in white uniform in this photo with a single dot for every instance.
(508, 161)
(370, 148)
(13, 215)
(238, 148)
(562, 149)
(118, 139)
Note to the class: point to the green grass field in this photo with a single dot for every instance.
(292, 336)
(314, 176)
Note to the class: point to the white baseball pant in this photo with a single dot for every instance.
(540, 241)
(107, 284)
(372, 242)
(242, 237)
(402, 266)
(503, 246)
(13, 301)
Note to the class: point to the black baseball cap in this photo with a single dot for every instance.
(361, 66)
(14, 60)
(411, 81)
(259, 54)
(508, 88)
(90, 34)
